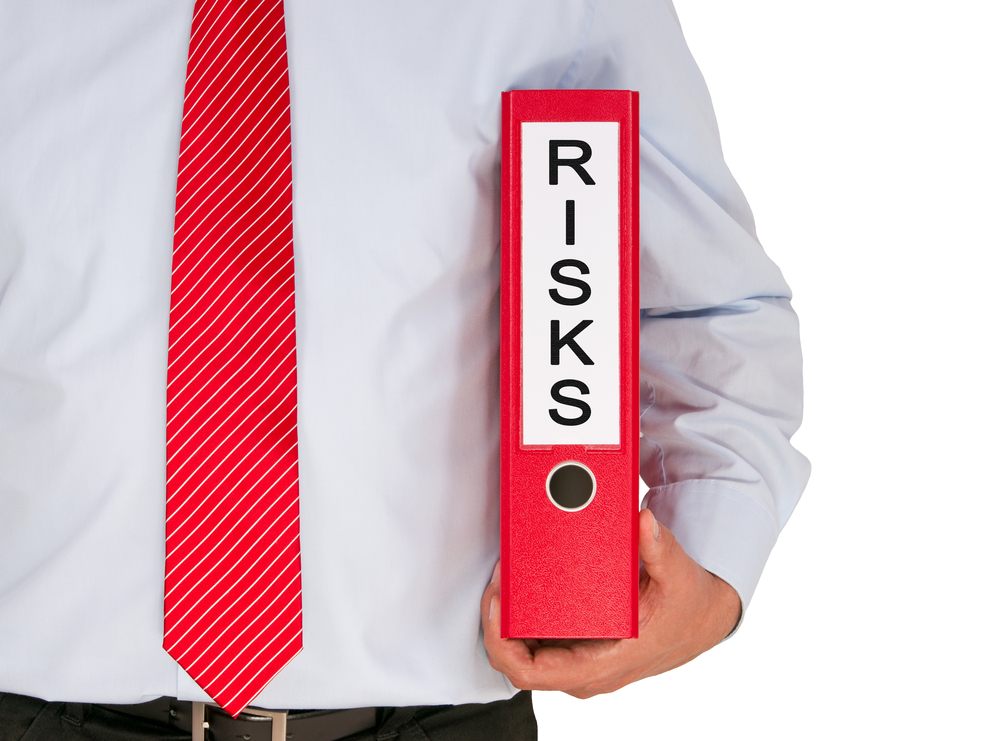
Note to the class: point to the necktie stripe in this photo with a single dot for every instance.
(232, 564)
(231, 426)
(223, 267)
(236, 98)
(228, 172)
(247, 459)
(200, 337)
(182, 574)
(200, 250)
(220, 245)
(193, 548)
(177, 465)
(266, 116)
(237, 196)
(179, 529)
(210, 13)
(232, 606)
(281, 657)
(210, 149)
(280, 660)
(280, 367)
(207, 549)
(224, 377)
(265, 158)
(221, 49)
(209, 655)
(271, 638)
(230, 69)
(213, 636)
(198, 481)
(210, 413)
(218, 56)
(251, 628)
(173, 564)
(203, 349)
(266, 254)
(186, 622)
(179, 622)
(213, 391)
(218, 35)
(267, 568)
(246, 637)
(232, 107)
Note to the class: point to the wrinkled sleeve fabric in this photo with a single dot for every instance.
(720, 358)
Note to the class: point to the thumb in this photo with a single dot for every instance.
(657, 546)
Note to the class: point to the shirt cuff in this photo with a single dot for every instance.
(727, 532)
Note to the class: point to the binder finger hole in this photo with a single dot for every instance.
(571, 486)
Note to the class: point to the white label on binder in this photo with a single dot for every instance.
(570, 365)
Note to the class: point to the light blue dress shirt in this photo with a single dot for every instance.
(395, 128)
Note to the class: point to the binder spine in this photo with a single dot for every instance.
(569, 310)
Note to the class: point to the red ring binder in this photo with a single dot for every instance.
(569, 363)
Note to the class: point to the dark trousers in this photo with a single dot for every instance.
(25, 718)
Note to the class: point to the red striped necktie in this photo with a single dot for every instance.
(232, 593)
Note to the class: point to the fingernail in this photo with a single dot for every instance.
(493, 601)
(656, 528)
(496, 570)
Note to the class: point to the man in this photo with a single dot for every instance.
(387, 114)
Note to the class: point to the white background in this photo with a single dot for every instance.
(865, 136)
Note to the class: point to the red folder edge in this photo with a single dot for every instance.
(560, 577)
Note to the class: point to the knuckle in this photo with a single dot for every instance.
(519, 679)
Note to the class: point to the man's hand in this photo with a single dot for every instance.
(683, 611)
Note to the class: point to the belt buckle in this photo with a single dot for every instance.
(278, 718)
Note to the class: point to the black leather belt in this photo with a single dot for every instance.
(253, 724)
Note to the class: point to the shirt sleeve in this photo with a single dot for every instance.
(720, 359)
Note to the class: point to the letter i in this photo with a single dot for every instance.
(570, 222)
